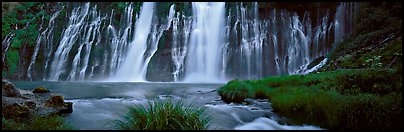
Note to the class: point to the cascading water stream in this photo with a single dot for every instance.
(179, 47)
(38, 44)
(70, 36)
(203, 61)
(131, 69)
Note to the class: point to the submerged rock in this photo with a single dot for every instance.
(19, 105)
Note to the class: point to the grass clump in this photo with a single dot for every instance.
(235, 91)
(36, 123)
(163, 116)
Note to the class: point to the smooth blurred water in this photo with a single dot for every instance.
(97, 104)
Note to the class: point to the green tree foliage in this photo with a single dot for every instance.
(23, 21)
(12, 60)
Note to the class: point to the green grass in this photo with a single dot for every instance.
(37, 123)
(163, 116)
(342, 99)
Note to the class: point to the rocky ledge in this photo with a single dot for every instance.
(21, 105)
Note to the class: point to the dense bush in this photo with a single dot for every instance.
(163, 116)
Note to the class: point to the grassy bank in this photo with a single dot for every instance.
(342, 99)
(360, 87)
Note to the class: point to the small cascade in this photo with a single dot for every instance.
(343, 20)
(5, 44)
(181, 31)
(38, 44)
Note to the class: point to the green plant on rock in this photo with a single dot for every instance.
(374, 62)
(163, 116)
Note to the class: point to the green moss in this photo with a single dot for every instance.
(55, 100)
(40, 90)
(163, 116)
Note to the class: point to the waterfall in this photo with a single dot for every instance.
(203, 63)
(253, 33)
(48, 44)
(70, 36)
(5, 44)
(92, 30)
(343, 20)
(131, 69)
(179, 46)
(134, 68)
(211, 45)
(38, 44)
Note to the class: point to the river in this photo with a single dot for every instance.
(97, 104)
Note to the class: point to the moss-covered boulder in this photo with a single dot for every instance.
(55, 100)
(16, 112)
(40, 90)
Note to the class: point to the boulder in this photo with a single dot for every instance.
(17, 112)
(40, 90)
(19, 105)
(8, 89)
(54, 101)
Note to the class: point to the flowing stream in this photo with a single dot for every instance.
(97, 104)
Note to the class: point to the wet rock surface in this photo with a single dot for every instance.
(20, 105)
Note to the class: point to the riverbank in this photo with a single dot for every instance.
(342, 99)
(358, 88)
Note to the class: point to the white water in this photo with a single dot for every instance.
(5, 44)
(203, 61)
(48, 45)
(142, 49)
(38, 44)
(93, 30)
(263, 123)
(132, 68)
(69, 38)
(179, 46)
